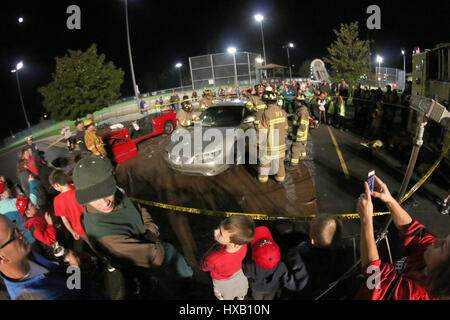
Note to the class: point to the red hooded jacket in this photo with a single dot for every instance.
(41, 231)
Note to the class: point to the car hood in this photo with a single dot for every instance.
(200, 140)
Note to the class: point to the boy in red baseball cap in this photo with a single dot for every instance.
(266, 271)
(40, 225)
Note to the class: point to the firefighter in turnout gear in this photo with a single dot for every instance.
(256, 104)
(185, 116)
(206, 101)
(300, 124)
(91, 140)
(272, 141)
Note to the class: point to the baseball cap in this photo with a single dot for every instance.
(93, 179)
(265, 252)
(21, 204)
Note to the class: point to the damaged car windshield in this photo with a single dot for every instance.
(222, 116)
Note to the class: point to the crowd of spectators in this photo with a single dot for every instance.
(375, 110)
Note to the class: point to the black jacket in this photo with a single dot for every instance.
(321, 265)
(79, 140)
(267, 281)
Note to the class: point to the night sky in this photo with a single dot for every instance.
(165, 32)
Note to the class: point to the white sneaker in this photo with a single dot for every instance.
(110, 268)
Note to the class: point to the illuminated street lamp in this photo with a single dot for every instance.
(259, 18)
(289, 45)
(404, 70)
(379, 60)
(232, 50)
(20, 19)
(178, 66)
(259, 60)
(16, 71)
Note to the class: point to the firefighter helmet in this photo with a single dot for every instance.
(259, 86)
(269, 96)
(187, 106)
(300, 100)
(300, 97)
(88, 122)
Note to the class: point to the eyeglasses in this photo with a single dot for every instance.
(14, 236)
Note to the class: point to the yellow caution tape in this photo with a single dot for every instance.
(425, 177)
(254, 216)
(262, 216)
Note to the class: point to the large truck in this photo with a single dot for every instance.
(431, 73)
(431, 78)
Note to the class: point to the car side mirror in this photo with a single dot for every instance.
(249, 119)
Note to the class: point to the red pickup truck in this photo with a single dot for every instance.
(121, 144)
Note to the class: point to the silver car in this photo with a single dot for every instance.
(218, 140)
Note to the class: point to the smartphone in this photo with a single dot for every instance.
(371, 180)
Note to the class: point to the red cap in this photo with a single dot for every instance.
(265, 252)
(2, 187)
(21, 204)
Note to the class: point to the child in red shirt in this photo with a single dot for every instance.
(224, 262)
(65, 204)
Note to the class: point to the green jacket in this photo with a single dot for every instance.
(120, 234)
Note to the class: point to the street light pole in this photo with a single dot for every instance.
(16, 71)
(259, 60)
(264, 48)
(178, 66)
(129, 53)
(235, 70)
(232, 50)
(290, 45)
(260, 18)
(379, 60)
(404, 70)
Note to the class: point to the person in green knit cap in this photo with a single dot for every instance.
(123, 234)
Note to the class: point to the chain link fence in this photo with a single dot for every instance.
(390, 76)
(224, 69)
